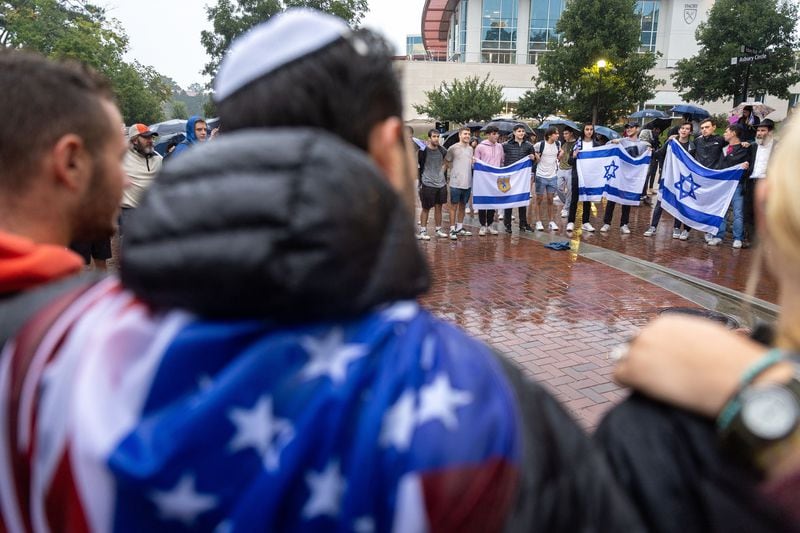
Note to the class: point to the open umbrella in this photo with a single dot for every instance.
(759, 109)
(170, 126)
(564, 123)
(474, 126)
(697, 112)
(660, 123)
(607, 132)
(506, 126)
(649, 113)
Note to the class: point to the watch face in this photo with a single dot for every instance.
(770, 413)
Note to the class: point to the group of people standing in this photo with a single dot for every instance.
(555, 174)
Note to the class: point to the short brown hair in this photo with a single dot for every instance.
(41, 101)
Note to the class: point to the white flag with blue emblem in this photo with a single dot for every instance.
(501, 187)
(697, 196)
(612, 172)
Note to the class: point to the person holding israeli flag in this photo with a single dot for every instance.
(684, 141)
(626, 194)
(699, 196)
(735, 154)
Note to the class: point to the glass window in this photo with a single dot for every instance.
(647, 10)
(499, 31)
(542, 35)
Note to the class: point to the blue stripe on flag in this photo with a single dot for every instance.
(519, 165)
(615, 152)
(591, 191)
(501, 199)
(625, 195)
(693, 214)
(730, 174)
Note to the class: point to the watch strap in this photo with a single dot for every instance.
(734, 404)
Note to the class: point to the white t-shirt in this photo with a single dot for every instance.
(461, 172)
(548, 163)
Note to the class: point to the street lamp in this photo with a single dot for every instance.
(601, 64)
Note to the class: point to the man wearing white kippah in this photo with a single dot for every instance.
(264, 364)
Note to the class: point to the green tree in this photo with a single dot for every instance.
(761, 24)
(569, 75)
(178, 110)
(231, 18)
(79, 30)
(540, 103)
(464, 100)
(209, 108)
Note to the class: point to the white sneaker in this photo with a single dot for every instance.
(570, 226)
(676, 233)
(453, 234)
(482, 231)
(513, 217)
(423, 235)
(467, 211)
(492, 230)
(539, 226)
(587, 227)
(552, 226)
(605, 228)
(714, 241)
(708, 237)
(650, 231)
(684, 235)
(464, 232)
(440, 233)
(737, 244)
(564, 213)
(500, 217)
(624, 229)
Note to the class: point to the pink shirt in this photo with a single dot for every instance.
(490, 153)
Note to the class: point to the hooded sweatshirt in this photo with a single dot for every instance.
(191, 138)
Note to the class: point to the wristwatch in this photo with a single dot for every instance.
(766, 418)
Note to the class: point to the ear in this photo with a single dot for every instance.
(386, 148)
(72, 163)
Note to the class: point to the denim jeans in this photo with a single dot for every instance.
(738, 216)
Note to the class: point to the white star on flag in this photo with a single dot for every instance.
(439, 401)
(183, 502)
(327, 488)
(259, 428)
(330, 356)
(399, 422)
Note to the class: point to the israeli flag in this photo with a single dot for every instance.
(697, 196)
(612, 172)
(501, 188)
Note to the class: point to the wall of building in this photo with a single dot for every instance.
(678, 21)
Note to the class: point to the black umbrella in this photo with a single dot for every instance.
(649, 113)
(661, 123)
(474, 126)
(559, 122)
(507, 126)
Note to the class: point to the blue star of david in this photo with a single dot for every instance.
(611, 171)
(692, 186)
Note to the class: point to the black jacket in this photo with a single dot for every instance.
(738, 154)
(709, 149)
(292, 235)
(515, 151)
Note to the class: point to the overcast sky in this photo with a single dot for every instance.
(165, 34)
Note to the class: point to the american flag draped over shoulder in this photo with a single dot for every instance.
(121, 420)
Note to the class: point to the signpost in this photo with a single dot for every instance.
(749, 56)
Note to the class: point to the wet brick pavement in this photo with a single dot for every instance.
(557, 314)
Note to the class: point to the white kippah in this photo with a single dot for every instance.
(282, 39)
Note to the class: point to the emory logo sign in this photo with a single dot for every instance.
(689, 13)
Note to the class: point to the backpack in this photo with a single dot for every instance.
(540, 147)
(423, 156)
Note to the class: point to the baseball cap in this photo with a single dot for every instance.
(140, 129)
